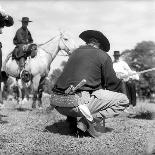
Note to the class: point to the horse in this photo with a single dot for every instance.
(39, 66)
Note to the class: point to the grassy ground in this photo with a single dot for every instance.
(40, 133)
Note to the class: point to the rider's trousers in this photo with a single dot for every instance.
(21, 63)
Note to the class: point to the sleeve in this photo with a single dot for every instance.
(126, 67)
(15, 41)
(135, 76)
(111, 81)
(30, 37)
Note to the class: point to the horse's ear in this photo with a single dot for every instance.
(62, 31)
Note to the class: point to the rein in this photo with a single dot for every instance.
(61, 38)
(46, 42)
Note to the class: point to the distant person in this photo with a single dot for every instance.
(99, 97)
(122, 70)
(22, 37)
(5, 21)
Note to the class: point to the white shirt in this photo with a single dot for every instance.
(123, 71)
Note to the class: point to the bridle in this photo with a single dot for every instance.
(60, 39)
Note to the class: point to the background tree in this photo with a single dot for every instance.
(140, 58)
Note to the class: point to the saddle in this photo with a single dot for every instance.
(29, 50)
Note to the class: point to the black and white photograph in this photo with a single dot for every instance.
(77, 77)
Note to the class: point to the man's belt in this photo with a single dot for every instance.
(69, 99)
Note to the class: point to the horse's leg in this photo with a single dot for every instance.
(39, 97)
(34, 99)
(19, 92)
(40, 90)
(35, 85)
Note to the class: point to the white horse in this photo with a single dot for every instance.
(39, 66)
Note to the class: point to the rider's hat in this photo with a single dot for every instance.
(25, 19)
(117, 53)
(104, 42)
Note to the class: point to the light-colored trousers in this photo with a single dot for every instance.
(103, 104)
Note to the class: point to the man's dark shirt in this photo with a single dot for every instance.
(22, 37)
(91, 64)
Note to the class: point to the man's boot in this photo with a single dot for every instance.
(72, 124)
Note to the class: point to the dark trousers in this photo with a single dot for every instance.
(21, 63)
(131, 92)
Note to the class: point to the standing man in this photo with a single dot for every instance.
(123, 71)
(5, 20)
(99, 96)
(22, 37)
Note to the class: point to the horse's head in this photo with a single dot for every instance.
(66, 43)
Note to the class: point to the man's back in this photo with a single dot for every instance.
(88, 63)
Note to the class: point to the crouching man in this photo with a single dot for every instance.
(88, 90)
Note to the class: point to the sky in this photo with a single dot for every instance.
(124, 22)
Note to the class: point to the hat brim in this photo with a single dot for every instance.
(86, 35)
(26, 21)
(116, 55)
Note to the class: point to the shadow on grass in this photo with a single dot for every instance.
(3, 121)
(23, 109)
(145, 115)
(62, 127)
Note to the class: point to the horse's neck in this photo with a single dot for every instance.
(49, 50)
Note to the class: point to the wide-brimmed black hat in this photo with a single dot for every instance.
(25, 19)
(86, 35)
(116, 53)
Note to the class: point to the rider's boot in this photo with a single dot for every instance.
(21, 65)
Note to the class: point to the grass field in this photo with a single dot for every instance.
(40, 133)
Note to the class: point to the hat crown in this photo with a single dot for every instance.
(88, 34)
(116, 52)
(25, 19)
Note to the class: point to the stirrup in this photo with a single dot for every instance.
(19, 74)
(25, 76)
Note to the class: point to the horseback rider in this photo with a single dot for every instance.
(22, 40)
(5, 21)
